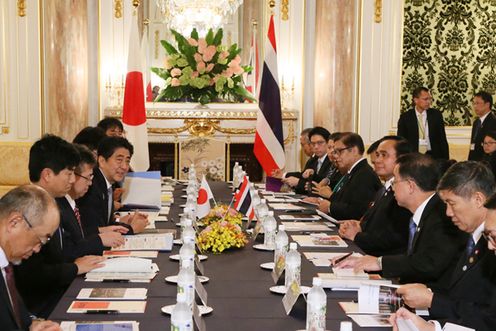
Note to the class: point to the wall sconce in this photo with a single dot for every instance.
(287, 92)
(118, 8)
(114, 90)
(21, 8)
(285, 10)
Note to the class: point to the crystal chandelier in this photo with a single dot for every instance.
(184, 15)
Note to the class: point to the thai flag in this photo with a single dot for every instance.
(269, 141)
(133, 110)
(242, 200)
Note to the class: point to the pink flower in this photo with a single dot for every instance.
(227, 73)
(175, 82)
(176, 72)
(212, 82)
(209, 67)
(202, 45)
(201, 67)
(194, 74)
(167, 64)
(209, 53)
(198, 57)
(237, 59)
(192, 42)
(216, 78)
(223, 55)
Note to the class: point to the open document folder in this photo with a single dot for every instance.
(142, 190)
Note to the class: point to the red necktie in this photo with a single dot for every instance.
(14, 296)
(78, 217)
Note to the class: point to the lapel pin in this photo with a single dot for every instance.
(471, 260)
(464, 268)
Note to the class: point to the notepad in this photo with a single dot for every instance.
(330, 280)
(144, 254)
(306, 226)
(112, 293)
(319, 240)
(100, 326)
(147, 241)
(124, 307)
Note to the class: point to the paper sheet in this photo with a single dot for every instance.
(307, 226)
(112, 293)
(319, 240)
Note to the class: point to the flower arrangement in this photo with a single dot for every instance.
(230, 215)
(202, 70)
(220, 236)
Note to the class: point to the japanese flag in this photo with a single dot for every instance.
(203, 200)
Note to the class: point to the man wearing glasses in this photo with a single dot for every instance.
(467, 188)
(357, 188)
(76, 243)
(423, 126)
(28, 218)
(484, 123)
(44, 277)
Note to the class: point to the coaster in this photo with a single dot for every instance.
(177, 258)
(267, 266)
(262, 247)
(281, 289)
(204, 310)
(173, 279)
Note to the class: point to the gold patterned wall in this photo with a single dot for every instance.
(65, 66)
(450, 47)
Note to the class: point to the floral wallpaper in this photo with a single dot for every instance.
(450, 47)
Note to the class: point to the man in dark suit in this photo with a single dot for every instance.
(471, 294)
(44, 277)
(317, 166)
(423, 126)
(355, 191)
(383, 230)
(28, 218)
(485, 122)
(76, 244)
(434, 243)
(96, 206)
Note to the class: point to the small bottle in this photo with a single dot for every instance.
(187, 251)
(182, 316)
(281, 243)
(186, 282)
(235, 175)
(269, 225)
(188, 232)
(316, 306)
(262, 209)
(293, 266)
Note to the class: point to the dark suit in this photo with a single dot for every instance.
(384, 227)
(93, 206)
(471, 297)
(356, 194)
(437, 245)
(489, 124)
(74, 244)
(490, 161)
(317, 176)
(408, 129)
(43, 278)
(7, 319)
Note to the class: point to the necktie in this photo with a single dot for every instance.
(14, 296)
(78, 218)
(421, 126)
(380, 194)
(411, 235)
(470, 246)
(476, 129)
(319, 164)
(110, 202)
(341, 183)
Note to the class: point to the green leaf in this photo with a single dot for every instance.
(173, 92)
(161, 72)
(160, 97)
(204, 99)
(194, 34)
(240, 90)
(210, 37)
(168, 47)
(218, 37)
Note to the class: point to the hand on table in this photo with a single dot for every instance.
(322, 190)
(307, 173)
(349, 229)
(418, 321)
(88, 263)
(113, 228)
(363, 263)
(416, 295)
(291, 181)
(324, 206)
(112, 239)
(44, 326)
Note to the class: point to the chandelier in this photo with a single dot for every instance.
(184, 15)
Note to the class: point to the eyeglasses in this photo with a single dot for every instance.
(42, 241)
(89, 179)
(339, 151)
(488, 143)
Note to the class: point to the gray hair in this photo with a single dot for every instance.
(30, 200)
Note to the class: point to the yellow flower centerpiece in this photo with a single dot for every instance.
(220, 236)
(202, 70)
(223, 230)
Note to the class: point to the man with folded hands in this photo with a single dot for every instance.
(383, 230)
(470, 298)
(434, 243)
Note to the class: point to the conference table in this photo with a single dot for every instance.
(238, 289)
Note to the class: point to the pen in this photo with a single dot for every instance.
(115, 281)
(342, 258)
(108, 312)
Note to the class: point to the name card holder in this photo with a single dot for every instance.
(199, 322)
(294, 298)
(201, 291)
(278, 270)
(256, 230)
(199, 266)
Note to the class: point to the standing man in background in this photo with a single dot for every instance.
(485, 122)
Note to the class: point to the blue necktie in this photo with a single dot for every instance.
(470, 246)
(411, 234)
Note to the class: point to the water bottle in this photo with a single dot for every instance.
(186, 282)
(293, 266)
(188, 233)
(269, 225)
(281, 242)
(187, 251)
(235, 175)
(262, 209)
(182, 316)
(316, 306)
